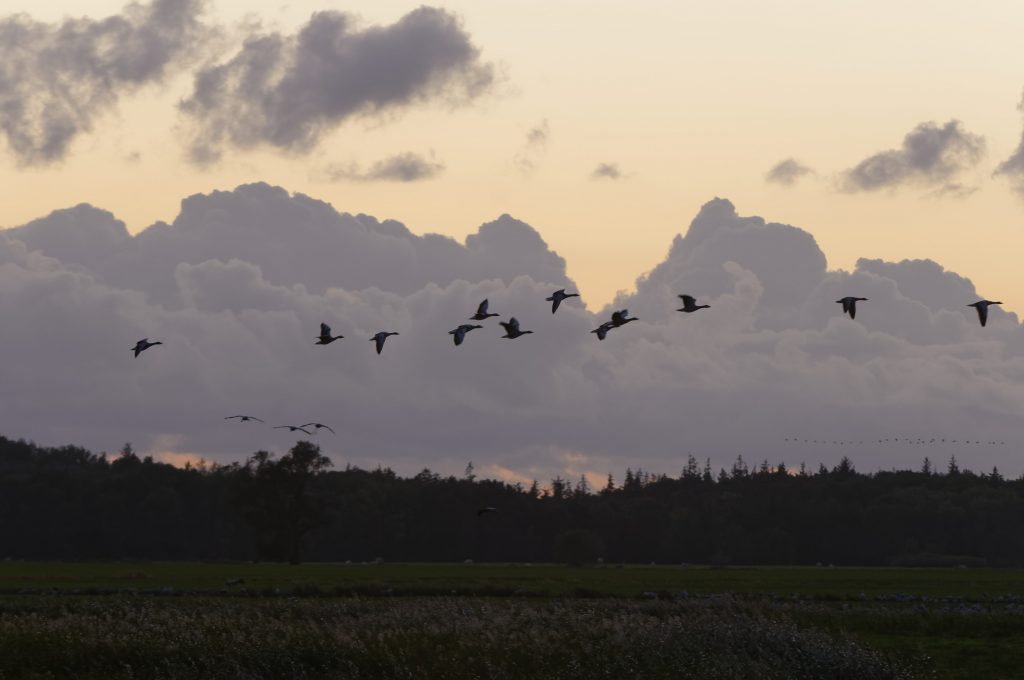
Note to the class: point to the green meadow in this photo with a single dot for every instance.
(187, 620)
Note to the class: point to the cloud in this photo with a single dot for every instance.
(403, 167)
(287, 92)
(1013, 167)
(237, 285)
(953, 190)
(58, 79)
(929, 155)
(606, 171)
(534, 147)
(787, 172)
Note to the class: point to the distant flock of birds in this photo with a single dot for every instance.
(618, 319)
(893, 440)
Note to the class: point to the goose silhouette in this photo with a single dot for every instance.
(144, 344)
(557, 297)
(325, 337)
(690, 304)
(481, 312)
(849, 304)
(459, 334)
(982, 307)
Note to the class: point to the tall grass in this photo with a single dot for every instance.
(412, 638)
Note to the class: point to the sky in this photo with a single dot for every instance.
(883, 132)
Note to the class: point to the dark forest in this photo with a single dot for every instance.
(70, 504)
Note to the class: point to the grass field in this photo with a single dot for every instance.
(839, 622)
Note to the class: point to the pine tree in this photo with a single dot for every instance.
(469, 475)
(926, 466)
(953, 468)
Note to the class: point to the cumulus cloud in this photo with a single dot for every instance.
(288, 91)
(236, 293)
(787, 172)
(533, 148)
(930, 154)
(403, 167)
(953, 190)
(58, 79)
(606, 171)
(1013, 167)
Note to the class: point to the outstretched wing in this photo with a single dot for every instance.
(688, 300)
(555, 301)
(853, 309)
(325, 330)
(482, 308)
(379, 339)
(982, 314)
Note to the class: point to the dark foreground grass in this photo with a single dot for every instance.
(435, 638)
(502, 579)
(946, 623)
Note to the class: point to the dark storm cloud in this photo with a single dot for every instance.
(288, 91)
(606, 171)
(403, 167)
(237, 285)
(930, 154)
(787, 172)
(1013, 167)
(58, 79)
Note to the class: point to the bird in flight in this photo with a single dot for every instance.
(245, 419)
(459, 334)
(982, 307)
(144, 344)
(850, 305)
(484, 511)
(379, 338)
(602, 330)
(292, 428)
(512, 329)
(321, 426)
(325, 337)
(557, 297)
(481, 312)
(690, 304)
(621, 318)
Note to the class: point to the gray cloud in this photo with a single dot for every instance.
(606, 171)
(534, 147)
(237, 285)
(930, 155)
(57, 79)
(288, 91)
(787, 172)
(403, 167)
(953, 190)
(1013, 167)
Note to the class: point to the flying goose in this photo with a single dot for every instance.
(144, 344)
(481, 312)
(325, 335)
(292, 428)
(321, 426)
(459, 334)
(557, 297)
(690, 304)
(512, 329)
(982, 307)
(245, 419)
(379, 338)
(621, 318)
(850, 305)
(602, 330)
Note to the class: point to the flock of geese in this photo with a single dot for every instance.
(512, 331)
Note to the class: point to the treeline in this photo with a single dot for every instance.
(70, 504)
